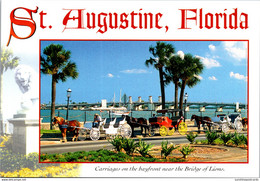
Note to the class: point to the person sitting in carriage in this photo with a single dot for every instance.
(97, 120)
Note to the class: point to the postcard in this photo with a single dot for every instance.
(129, 89)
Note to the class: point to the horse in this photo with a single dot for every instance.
(245, 122)
(202, 120)
(138, 122)
(65, 125)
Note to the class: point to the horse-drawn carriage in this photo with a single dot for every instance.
(222, 122)
(225, 122)
(166, 122)
(115, 124)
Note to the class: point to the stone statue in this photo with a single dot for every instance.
(26, 79)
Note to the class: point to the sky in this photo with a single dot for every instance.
(107, 68)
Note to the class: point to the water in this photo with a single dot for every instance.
(89, 115)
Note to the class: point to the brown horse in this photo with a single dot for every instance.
(245, 122)
(201, 120)
(65, 125)
(138, 122)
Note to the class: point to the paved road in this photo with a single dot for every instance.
(89, 145)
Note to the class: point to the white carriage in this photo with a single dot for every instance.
(225, 122)
(115, 124)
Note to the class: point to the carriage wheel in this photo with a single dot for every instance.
(215, 127)
(94, 134)
(82, 134)
(126, 131)
(225, 128)
(182, 128)
(163, 131)
(238, 126)
(152, 132)
(170, 132)
(205, 127)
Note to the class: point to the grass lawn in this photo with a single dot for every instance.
(45, 131)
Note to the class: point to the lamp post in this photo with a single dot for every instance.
(185, 102)
(68, 100)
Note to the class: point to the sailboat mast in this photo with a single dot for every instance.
(120, 98)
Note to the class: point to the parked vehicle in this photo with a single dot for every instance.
(224, 122)
(115, 124)
(166, 122)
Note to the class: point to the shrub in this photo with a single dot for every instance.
(165, 151)
(14, 161)
(218, 141)
(186, 150)
(211, 136)
(203, 142)
(244, 139)
(226, 137)
(117, 142)
(191, 137)
(91, 156)
(144, 148)
(239, 139)
(129, 146)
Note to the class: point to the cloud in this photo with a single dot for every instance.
(212, 47)
(180, 54)
(209, 63)
(236, 49)
(199, 77)
(135, 71)
(213, 78)
(110, 75)
(237, 76)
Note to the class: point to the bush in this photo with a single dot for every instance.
(117, 142)
(226, 137)
(191, 137)
(129, 146)
(239, 139)
(244, 139)
(211, 136)
(186, 150)
(165, 151)
(91, 156)
(14, 161)
(144, 148)
(218, 141)
(203, 142)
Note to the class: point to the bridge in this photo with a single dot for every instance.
(152, 106)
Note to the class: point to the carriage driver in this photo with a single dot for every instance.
(97, 120)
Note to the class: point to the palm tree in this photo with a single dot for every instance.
(161, 54)
(191, 68)
(56, 63)
(172, 74)
(8, 61)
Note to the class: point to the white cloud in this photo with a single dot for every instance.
(236, 49)
(209, 63)
(198, 76)
(110, 75)
(213, 78)
(212, 47)
(180, 54)
(135, 71)
(237, 76)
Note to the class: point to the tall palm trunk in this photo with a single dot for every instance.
(1, 99)
(53, 99)
(182, 92)
(162, 87)
(176, 96)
